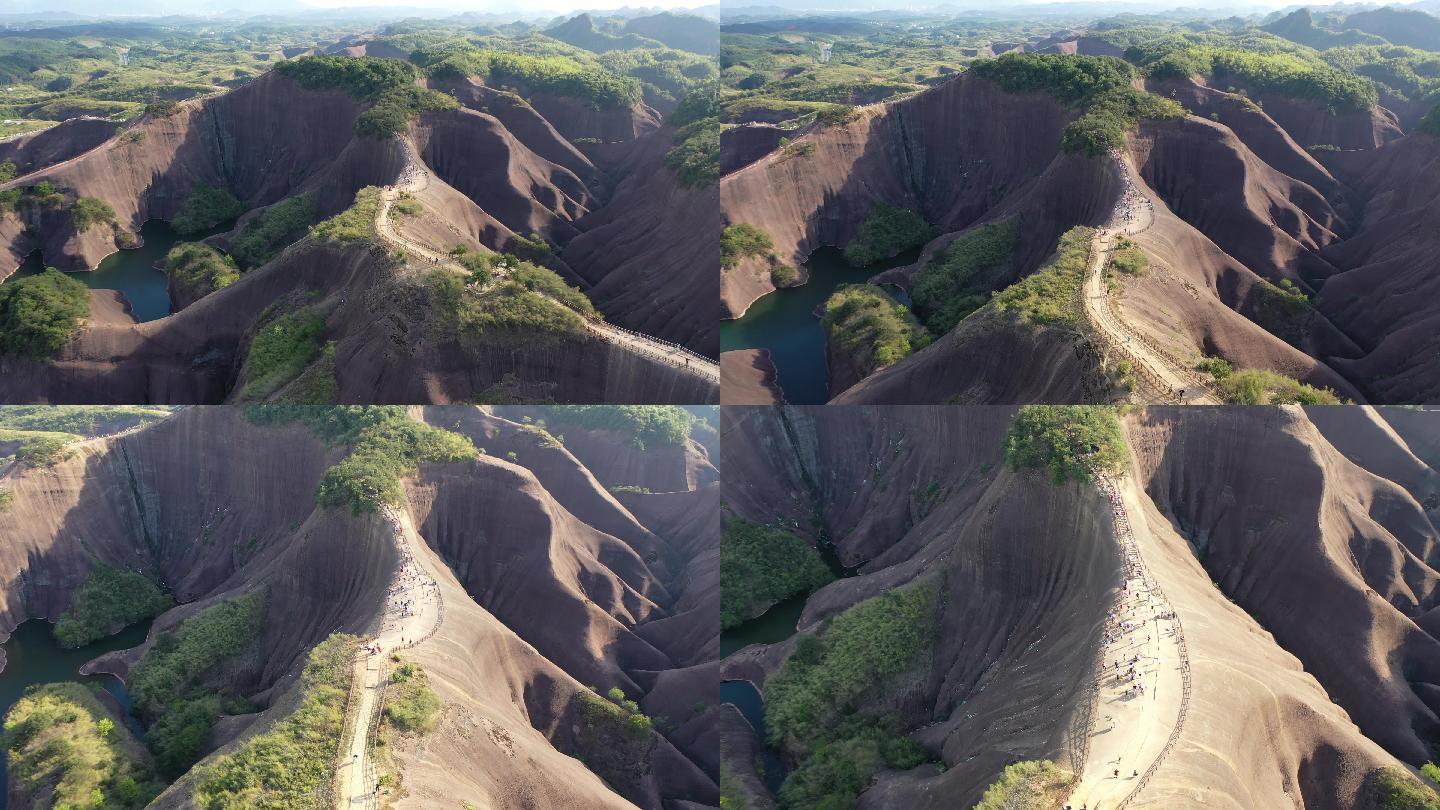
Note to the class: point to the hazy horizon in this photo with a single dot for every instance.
(250, 8)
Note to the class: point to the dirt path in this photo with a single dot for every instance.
(413, 612)
(1134, 213)
(1144, 689)
(414, 178)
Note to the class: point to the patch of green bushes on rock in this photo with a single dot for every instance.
(1430, 124)
(110, 600)
(41, 313)
(1393, 789)
(614, 739)
(356, 223)
(1028, 785)
(1128, 258)
(411, 706)
(388, 85)
(1293, 74)
(1051, 295)
(641, 425)
(59, 737)
(695, 153)
(879, 330)
(281, 350)
(886, 232)
(268, 232)
(90, 211)
(200, 267)
(1066, 440)
(44, 450)
(1254, 386)
(1099, 85)
(552, 75)
(959, 277)
(206, 207)
(1283, 310)
(741, 241)
(289, 766)
(531, 306)
(178, 684)
(760, 566)
(814, 705)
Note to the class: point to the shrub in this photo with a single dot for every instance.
(1430, 124)
(880, 332)
(552, 75)
(164, 108)
(56, 738)
(287, 767)
(41, 313)
(1394, 789)
(1066, 440)
(1217, 367)
(392, 113)
(641, 425)
(1254, 386)
(695, 153)
(409, 206)
(411, 706)
(1100, 85)
(532, 248)
(807, 704)
(356, 223)
(1129, 259)
(8, 171)
(6, 498)
(887, 231)
(479, 263)
(281, 350)
(89, 211)
(741, 241)
(1050, 296)
(382, 453)
(1028, 785)
(760, 566)
(959, 277)
(267, 233)
(110, 600)
(201, 267)
(1283, 310)
(44, 451)
(783, 275)
(206, 207)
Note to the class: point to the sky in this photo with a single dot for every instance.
(527, 8)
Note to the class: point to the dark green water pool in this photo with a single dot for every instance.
(784, 322)
(32, 657)
(132, 271)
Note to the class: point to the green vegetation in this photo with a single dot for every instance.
(1028, 785)
(526, 74)
(1295, 74)
(1128, 258)
(408, 206)
(39, 449)
(1217, 367)
(387, 84)
(356, 223)
(6, 498)
(1051, 295)
(519, 310)
(178, 683)
(386, 445)
(1283, 310)
(875, 328)
(783, 275)
(642, 425)
(1430, 124)
(1254, 386)
(200, 268)
(814, 704)
(742, 241)
(614, 739)
(959, 277)
(110, 600)
(695, 155)
(60, 735)
(887, 231)
(7, 171)
(1100, 85)
(266, 234)
(41, 313)
(731, 797)
(760, 566)
(620, 489)
(289, 767)
(478, 262)
(206, 207)
(1394, 789)
(281, 350)
(1067, 440)
(88, 211)
(411, 706)
(78, 420)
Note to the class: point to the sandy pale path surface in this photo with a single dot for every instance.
(1141, 679)
(412, 613)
